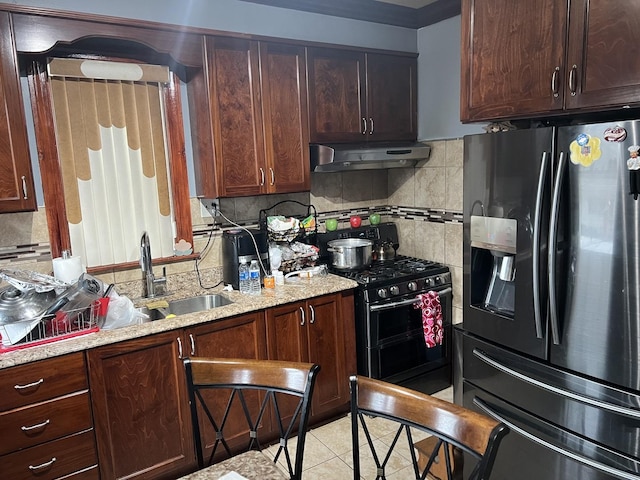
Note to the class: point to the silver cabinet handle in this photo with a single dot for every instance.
(364, 126)
(179, 347)
(572, 80)
(371, 129)
(43, 465)
(261, 176)
(24, 187)
(313, 314)
(29, 385)
(594, 402)
(192, 340)
(273, 176)
(37, 426)
(303, 318)
(578, 458)
(554, 82)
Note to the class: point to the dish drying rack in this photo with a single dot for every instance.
(52, 328)
(306, 235)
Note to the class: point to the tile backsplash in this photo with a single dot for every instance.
(424, 201)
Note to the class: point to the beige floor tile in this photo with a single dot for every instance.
(315, 452)
(334, 469)
(336, 435)
(367, 464)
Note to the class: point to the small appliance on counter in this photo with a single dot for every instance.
(238, 246)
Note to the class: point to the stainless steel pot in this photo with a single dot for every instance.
(350, 253)
(16, 305)
(384, 251)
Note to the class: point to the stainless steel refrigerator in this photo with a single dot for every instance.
(551, 342)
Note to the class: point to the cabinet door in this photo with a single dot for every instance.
(604, 53)
(512, 58)
(285, 115)
(287, 332)
(17, 193)
(236, 116)
(141, 409)
(326, 341)
(336, 95)
(240, 337)
(392, 97)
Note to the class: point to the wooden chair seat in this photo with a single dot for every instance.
(451, 426)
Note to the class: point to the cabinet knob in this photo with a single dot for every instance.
(261, 176)
(303, 316)
(24, 187)
(273, 176)
(43, 465)
(364, 126)
(313, 314)
(371, 123)
(29, 385)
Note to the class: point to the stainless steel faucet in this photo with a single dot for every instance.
(151, 286)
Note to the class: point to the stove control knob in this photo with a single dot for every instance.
(382, 293)
(438, 280)
(394, 290)
(428, 282)
(412, 286)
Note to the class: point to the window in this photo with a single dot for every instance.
(112, 159)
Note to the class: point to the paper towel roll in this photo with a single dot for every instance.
(68, 269)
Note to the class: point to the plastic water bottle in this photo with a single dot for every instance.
(254, 278)
(243, 278)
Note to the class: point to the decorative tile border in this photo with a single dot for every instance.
(41, 252)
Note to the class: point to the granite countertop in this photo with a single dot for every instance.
(293, 291)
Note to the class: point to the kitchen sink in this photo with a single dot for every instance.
(187, 305)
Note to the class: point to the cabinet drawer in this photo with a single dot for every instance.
(29, 426)
(54, 459)
(43, 380)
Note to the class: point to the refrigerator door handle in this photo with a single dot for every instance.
(567, 453)
(537, 219)
(553, 243)
(617, 409)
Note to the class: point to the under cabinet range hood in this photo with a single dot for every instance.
(366, 156)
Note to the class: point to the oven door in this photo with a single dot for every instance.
(395, 347)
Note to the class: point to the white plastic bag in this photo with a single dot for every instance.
(122, 313)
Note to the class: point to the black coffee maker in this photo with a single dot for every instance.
(238, 246)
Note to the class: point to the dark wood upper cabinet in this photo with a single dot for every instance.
(17, 193)
(356, 96)
(604, 46)
(258, 118)
(545, 58)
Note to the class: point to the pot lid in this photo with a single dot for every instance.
(17, 305)
(350, 242)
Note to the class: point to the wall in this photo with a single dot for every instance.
(439, 82)
(245, 17)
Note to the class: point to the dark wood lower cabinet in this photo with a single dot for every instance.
(140, 409)
(138, 390)
(313, 331)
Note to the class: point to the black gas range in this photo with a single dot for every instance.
(389, 331)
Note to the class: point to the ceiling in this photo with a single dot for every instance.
(403, 13)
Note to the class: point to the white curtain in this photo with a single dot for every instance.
(112, 149)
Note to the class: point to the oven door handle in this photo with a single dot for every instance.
(388, 306)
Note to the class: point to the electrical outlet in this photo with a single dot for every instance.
(209, 208)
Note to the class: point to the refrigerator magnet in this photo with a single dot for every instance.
(633, 165)
(585, 150)
(615, 134)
